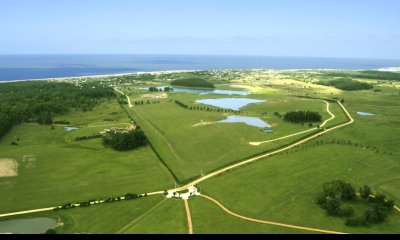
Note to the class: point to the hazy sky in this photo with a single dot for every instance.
(334, 28)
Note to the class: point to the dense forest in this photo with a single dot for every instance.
(347, 84)
(193, 82)
(39, 101)
(302, 117)
(123, 141)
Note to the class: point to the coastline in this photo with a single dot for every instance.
(388, 69)
(100, 76)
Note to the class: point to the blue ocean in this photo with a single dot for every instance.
(25, 67)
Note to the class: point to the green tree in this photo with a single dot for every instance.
(365, 192)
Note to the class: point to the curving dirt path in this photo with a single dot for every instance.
(299, 133)
(127, 97)
(189, 217)
(268, 222)
(250, 160)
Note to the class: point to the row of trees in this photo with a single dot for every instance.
(146, 102)
(337, 192)
(165, 89)
(208, 109)
(40, 101)
(125, 140)
(83, 138)
(128, 196)
(302, 117)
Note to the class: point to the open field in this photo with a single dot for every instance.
(61, 170)
(54, 169)
(173, 137)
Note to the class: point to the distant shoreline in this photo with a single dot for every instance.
(388, 69)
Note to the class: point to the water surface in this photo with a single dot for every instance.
(365, 114)
(251, 121)
(229, 103)
(70, 129)
(19, 67)
(27, 226)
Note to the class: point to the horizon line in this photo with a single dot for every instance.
(191, 54)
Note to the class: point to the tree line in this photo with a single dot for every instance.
(208, 109)
(165, 89)
(128, 196)
(302, 117)
(337, 192)
(40, 101)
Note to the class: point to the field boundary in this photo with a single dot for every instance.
(136, 220)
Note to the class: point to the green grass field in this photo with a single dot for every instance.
(58, 170)
(174, 133)
(54, 169)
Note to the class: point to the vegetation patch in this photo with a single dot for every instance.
(347, 84)
(125, 140)
(39, 101)
(193, 82)
(302, 117)
(337, 192)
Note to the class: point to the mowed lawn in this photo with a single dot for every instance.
(189, 149)
(54, 169)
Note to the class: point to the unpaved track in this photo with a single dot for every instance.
(236, 165)
(127, 97)
(189, 217)
(299, 133)
(267, 222)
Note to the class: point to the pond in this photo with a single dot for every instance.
(229, 103)
(70, 129)
(203, 91)
(251, 121)
(27, 226)
(365, 114)
(268, 130)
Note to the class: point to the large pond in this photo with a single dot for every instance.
(27, 226)
(229, 103)
(251, 121)
(365, 114)
(204, 91)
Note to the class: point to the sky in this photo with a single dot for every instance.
(306, 28)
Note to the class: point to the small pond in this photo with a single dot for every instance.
(204, 91)
(268, 130)
(365, 114)
(251, 121)
(70, 129)
(229, 103)
(27, 226)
